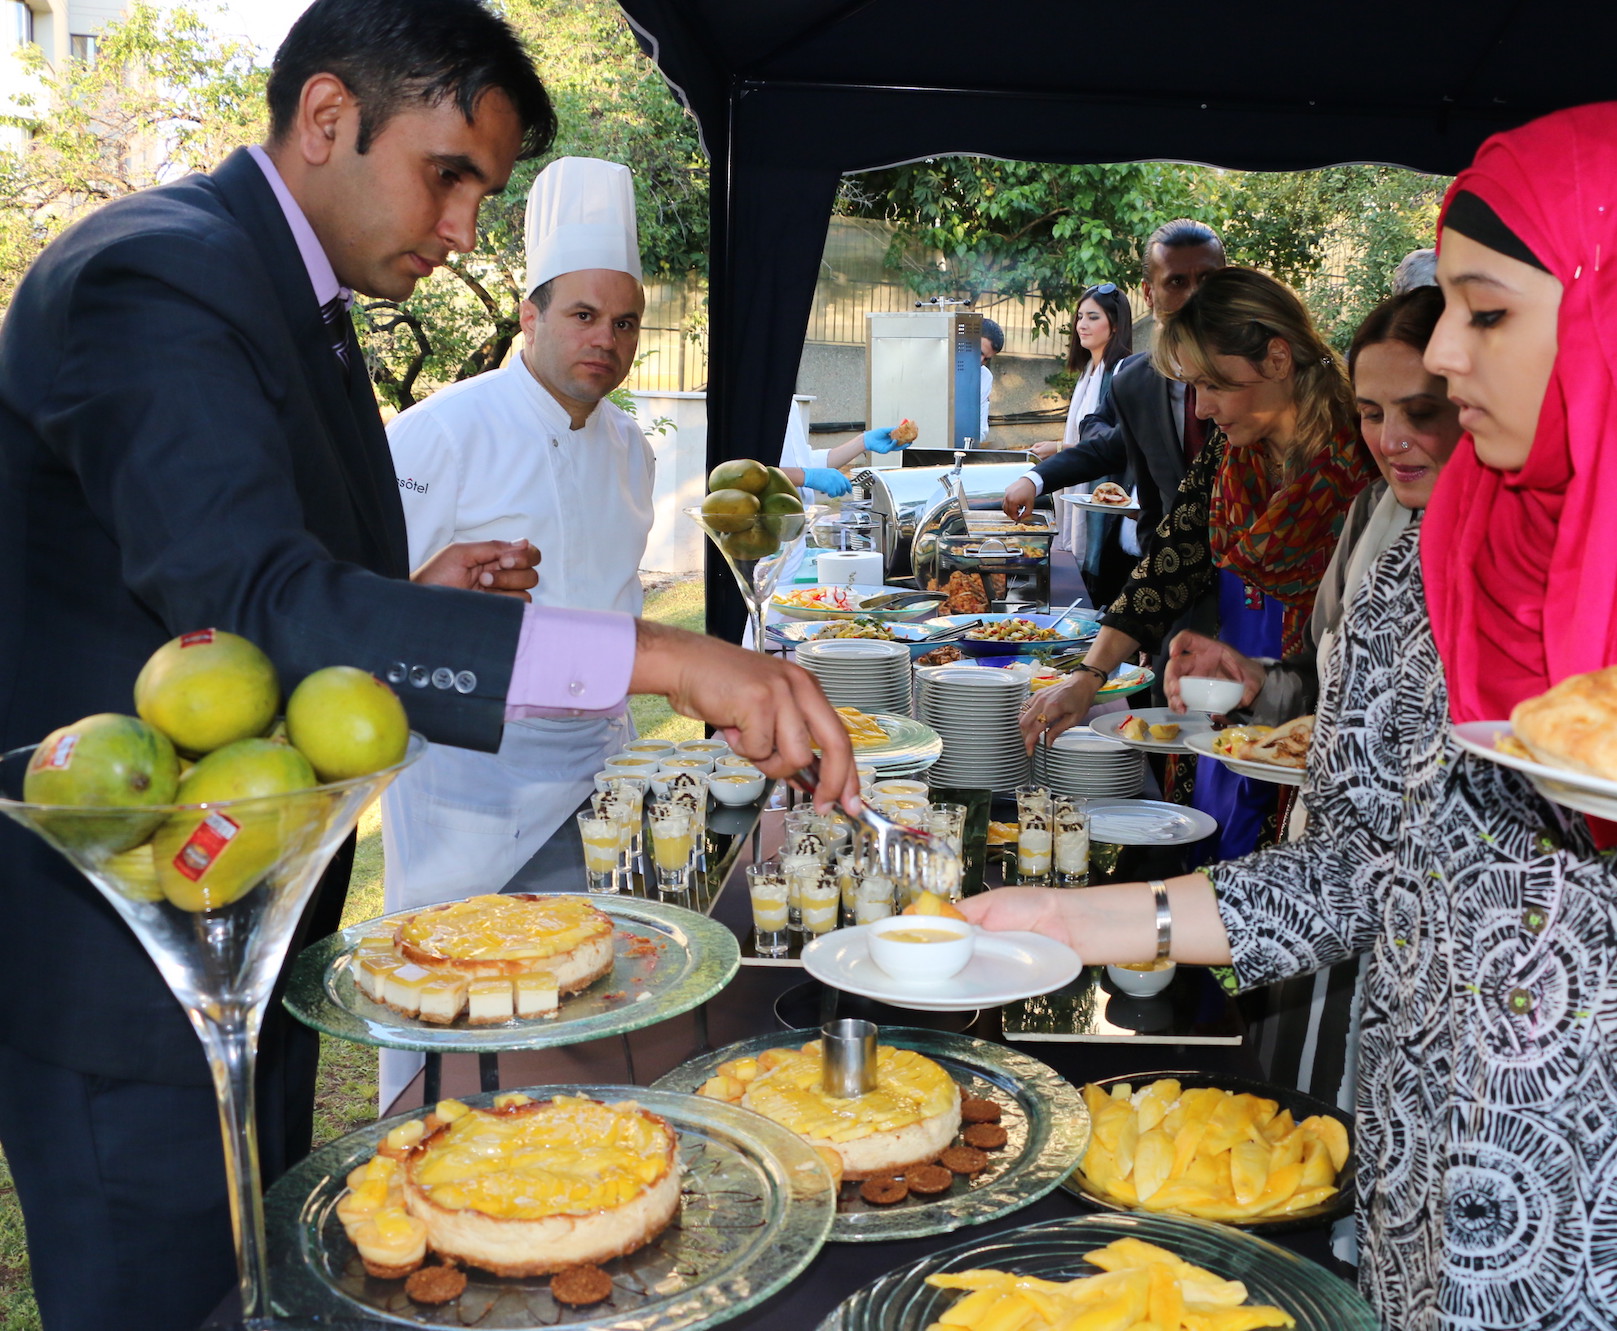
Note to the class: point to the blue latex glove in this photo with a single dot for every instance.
(827, 480)
(882, 441)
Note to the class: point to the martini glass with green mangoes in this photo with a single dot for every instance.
(206, 822)
(756, 519)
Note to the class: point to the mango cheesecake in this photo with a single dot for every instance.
(490, 958)
(909, 1119)
(527, 1188)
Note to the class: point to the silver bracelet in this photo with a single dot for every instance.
(1159, 891)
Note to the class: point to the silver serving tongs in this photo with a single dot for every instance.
(902, 852)
(899, 600)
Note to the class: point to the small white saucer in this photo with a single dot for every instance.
(1005, 967)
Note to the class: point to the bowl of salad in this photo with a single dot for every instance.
(1023, 633)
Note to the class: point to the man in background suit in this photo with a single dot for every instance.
(188, 439)
(1142, 429)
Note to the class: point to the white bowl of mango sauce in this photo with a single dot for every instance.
(921, 948)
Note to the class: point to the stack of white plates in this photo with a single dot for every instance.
(866, 673)
(975, 711)
(1083, 764)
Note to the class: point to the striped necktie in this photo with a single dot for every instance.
(331, 314)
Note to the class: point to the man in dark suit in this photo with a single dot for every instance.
(188, 439)
(1141, 429)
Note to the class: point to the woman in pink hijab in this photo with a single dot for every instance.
(1487, 1072)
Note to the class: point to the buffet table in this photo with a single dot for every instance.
(1195, 1028)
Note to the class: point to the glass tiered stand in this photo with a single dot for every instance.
(220, 949)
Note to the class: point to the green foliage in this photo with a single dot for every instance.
(613, 104)
(1027, 228)
(164, 96)
(1048, 230)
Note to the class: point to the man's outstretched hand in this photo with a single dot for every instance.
(770, 712)
(507, 568)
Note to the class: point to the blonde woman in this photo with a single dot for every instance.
(1257, 515)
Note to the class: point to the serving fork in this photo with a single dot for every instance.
(902, 852)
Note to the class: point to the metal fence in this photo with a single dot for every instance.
(854, 281)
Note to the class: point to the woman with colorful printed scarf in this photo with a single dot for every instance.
(1486, 1106)
(1258, 513)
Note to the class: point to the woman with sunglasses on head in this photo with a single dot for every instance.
(1102, 335)
(1411, 428)
(1486, 1115)
(1257, 515)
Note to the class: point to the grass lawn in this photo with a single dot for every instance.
(346, 1096)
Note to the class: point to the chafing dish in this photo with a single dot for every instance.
(982, 556)
(903, 496)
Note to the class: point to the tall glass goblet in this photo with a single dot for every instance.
(758, 553)
(214, 893)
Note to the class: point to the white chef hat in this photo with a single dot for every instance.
(581, 215)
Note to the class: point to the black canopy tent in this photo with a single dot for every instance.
(791, 94)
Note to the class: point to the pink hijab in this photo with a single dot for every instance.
(1521, 567)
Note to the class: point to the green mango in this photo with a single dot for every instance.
(208, 858)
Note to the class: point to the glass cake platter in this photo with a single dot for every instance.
(903, 1301)
(668, 960)
(1043, 1114)
(756, 1206)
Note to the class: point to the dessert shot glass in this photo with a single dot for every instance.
(798, 870)
(1034, 838)
(600, 837)
(766, 885)
(873, 899)
(807, 833)
(1071, 853)
(848, 867)
(820, 894)
(673, 845)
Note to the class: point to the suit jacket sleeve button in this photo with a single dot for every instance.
(465, 682)
(419, 676)
(396, 672)
(442, 677)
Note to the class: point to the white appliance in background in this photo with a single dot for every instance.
(925, 366)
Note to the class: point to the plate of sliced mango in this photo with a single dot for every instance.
(1218, 1148)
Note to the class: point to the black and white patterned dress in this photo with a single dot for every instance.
(1487, 1092)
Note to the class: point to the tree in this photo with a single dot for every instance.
(162, 97)
(1049, 230)
(611, 103)
(1026, 228)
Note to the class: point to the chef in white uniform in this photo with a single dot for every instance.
(532, 450)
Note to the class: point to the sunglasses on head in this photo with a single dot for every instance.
(1104, 289)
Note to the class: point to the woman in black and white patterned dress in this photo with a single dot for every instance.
(1487, 1078)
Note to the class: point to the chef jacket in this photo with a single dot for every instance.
(495, 457)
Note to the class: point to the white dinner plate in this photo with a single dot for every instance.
(1148, 823)
(1573, 790)
(1281, 776)
(1090, 506)
(1189, 723)
(1004, 967)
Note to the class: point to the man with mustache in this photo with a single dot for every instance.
(532, 451)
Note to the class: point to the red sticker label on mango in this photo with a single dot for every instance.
(202, 848)
(58, 756)
(201, 638)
